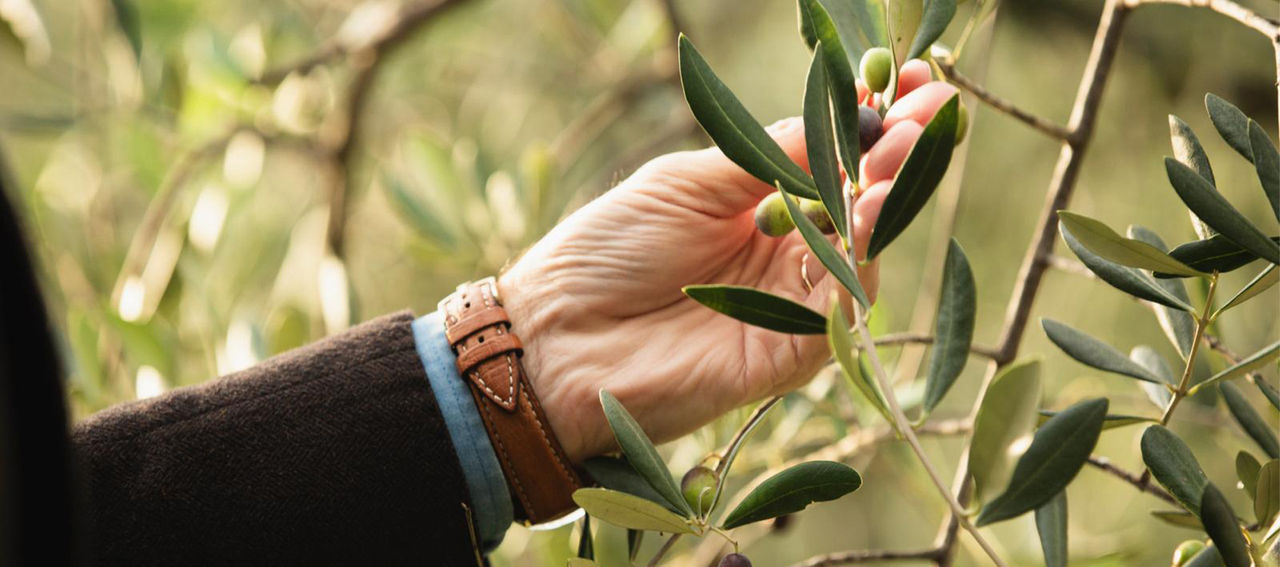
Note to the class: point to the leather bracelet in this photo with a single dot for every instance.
(488, 358)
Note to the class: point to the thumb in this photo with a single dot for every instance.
(709, 182)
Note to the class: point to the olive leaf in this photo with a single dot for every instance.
(1215, 211)
(953, 332)
(826, 253)
(1260, 283)
(1268, 391)
(627, 511)
(617, 474)
(841, 343)
(1249, 420)
(734, 130)
(1178, 326)
(1223, 527)
(1266, 160)
(820, 142)
(585, 548)
(792, 490)
(1187, 148)
(917, 178)
(937, 15)
(1051, 525)
(1231, 124)
(417, 213)
(1132, 281)
(1093, 352)
(642, 455)
(759, 308)
(1101, 240)
(1006, 416)
(1248, 364)
(1247, 469)
(1208, 557)
(841, 86)
(1266, 492)
(1148, 358)
(1110, 421)
(1058, 451)
(1174, 466)
(1179, 518)
(1214, 254)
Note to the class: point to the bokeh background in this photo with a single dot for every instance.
(198, 200)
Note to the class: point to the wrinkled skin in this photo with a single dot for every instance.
(598, 304)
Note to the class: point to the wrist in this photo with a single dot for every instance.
(533, 314)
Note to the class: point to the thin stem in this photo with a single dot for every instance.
(1104, 464)
(731, 450)
(1201, 323)
(662, 551)
(869, 555)
(923, 339)
(947, 66)
(1269, 27)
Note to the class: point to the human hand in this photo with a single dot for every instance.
(598, 302)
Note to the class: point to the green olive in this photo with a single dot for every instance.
(772, 217)
(876, 67)
(1185, 551)
(962, 123)
(817, 213)
(699, 488)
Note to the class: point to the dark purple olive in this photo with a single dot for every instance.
(869, 127)
(735, 560)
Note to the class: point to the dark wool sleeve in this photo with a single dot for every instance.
(335, 454)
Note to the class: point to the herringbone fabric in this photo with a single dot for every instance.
(332, 454)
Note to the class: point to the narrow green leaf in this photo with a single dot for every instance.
(793, 489)
(1266, 495)
(805, 22)
(1247, 469)
(826, 252)
(1174, 466)
(953, 332)
(840, 83)
(1148, 358)
(1006, 417)
(731, 126)
(841, 343)
(1187, 148)
(1260, 283)
(1232, 124)
(1249, 420)
(1051, 525)
(1101, 240)
(1058, 451)
(872, 20)
(1179, 518)
(820, 142)
(917, 178)
(1132, 281)
(1215, 211)
(903, 19)
(1268, 391)
(759, 308)
(642, 455)
(1178, 326)
(1111, 421)
(937, 15)
(634, 539)
(1214, 254)
(1266, 160)
(1249, 364)
(417, 213)
(1223, 527)
(617, 474)
(1093, 352)
(627, 511)
(585, 548)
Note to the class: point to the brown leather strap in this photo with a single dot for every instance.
(537, 471)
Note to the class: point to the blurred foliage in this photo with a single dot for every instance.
(149, 125)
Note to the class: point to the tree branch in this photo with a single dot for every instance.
(1104, 464)
(1266, 26)
(1043, 125)
(923, 339)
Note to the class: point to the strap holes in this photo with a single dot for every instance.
(466, 305)
(481, 339)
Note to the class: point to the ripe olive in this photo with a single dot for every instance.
(699, 487)
(735, 560)
(876, 66)
(817, 213)
(772, 217)
(1185, 551)
(870, 127)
